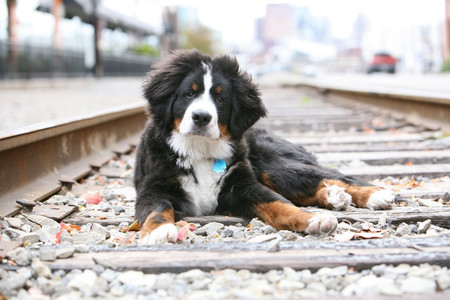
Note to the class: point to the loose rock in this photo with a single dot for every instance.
(20, 256)
(40, 268)
(11, 283)
(84, 282)
(403, 229)
(418, 285)
(90, 238)
(262, 238)
(131, 278)
(41, 220)
(256, 223)
(81, 248)
(65, 252)
(30, 238)
(100, 229)
(422, 227)
(274, 246)
(47, 234)
(209, 228)
(15, 222)
(47, 254)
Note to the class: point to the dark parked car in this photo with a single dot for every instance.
(382, 62)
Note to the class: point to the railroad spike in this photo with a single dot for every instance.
(27, 204)
(67, 183)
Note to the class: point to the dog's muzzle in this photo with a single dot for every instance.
(201, 117)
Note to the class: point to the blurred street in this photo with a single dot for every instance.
(28, 102)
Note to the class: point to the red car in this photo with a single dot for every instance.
(382, 62)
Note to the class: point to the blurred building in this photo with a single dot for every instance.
(285, 21)
(72, 38)
(295, 37)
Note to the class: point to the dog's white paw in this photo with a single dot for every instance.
(382, 199)
(338, 198)
(166, 233)
(321, 224)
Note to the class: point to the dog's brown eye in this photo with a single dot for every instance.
(190, 94)
(219, 99)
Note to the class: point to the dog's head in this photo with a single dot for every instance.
(194, 95)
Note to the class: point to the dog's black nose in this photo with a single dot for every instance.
(201, 117)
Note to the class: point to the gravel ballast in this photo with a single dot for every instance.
(108, 205)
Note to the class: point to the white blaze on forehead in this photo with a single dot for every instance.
(205, 103)
(207, 79)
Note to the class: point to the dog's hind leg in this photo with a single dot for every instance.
(304, 185)
(336, 194)
(293, 172)
(366, 196)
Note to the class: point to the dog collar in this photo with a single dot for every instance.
(219, 166)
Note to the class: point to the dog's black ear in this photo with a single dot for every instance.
(247, 105)
(161, 83)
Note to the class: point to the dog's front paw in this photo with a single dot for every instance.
(338, 198)
(321, 224)
(382, 199)
(166, 233)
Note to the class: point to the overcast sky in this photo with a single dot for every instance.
(236, 18)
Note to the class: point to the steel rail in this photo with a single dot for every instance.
(430, 109)
(36, 160)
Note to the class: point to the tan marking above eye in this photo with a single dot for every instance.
(194, 86)
(218, 90)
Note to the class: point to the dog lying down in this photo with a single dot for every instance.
(198, 155)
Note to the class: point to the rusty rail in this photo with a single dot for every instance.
(37, 160)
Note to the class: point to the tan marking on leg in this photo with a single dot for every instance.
(321, 195)
(283, 216)
(156, 219)
(360, 194)
(319, 198)
(304, 201)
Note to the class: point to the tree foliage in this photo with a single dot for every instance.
(199, 37)
(446, 66)
(146, 49)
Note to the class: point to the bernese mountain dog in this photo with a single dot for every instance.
(198, 155)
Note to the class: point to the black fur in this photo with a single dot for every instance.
(255, 152)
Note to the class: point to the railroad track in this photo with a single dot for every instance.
(95, 153)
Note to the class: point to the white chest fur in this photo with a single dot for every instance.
(198, 154)
(204, 191)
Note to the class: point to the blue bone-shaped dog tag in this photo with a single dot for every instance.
(219, 166)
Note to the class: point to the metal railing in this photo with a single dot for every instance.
(31, 61)
(23, 61)
(126, 65)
